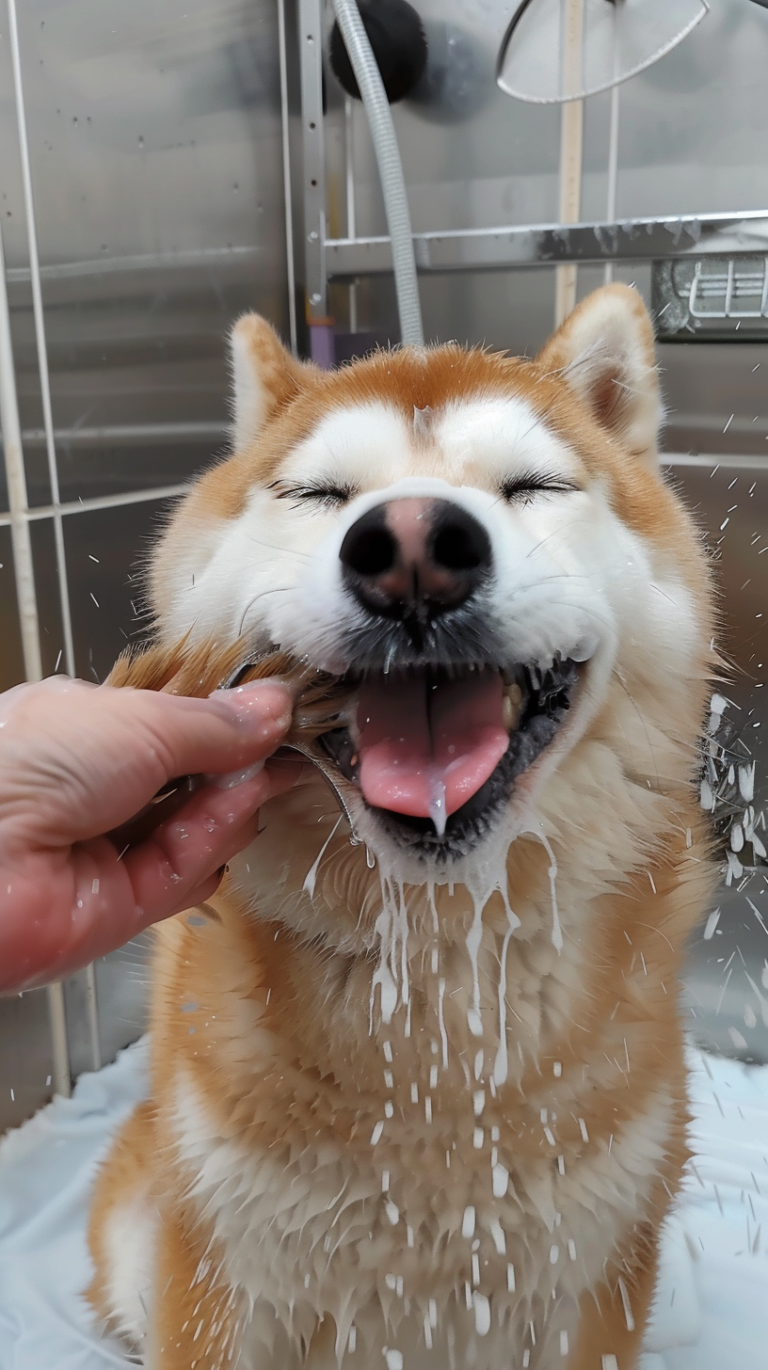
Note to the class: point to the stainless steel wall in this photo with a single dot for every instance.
(155, 147)
(154, 135)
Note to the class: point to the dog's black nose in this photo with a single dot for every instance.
(415, 558)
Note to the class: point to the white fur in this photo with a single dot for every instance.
(251, 399)
(130, 1241)
(324, 1213)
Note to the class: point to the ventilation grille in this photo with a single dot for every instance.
(714, 298)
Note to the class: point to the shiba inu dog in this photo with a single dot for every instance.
(418, 1090)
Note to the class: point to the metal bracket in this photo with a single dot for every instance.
(499, 249)
(312, 132)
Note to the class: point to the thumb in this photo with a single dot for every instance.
(229, 730)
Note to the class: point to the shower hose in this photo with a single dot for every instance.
(385, 145)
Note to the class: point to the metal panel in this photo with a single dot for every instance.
(727, 972)
(168, 221)
(155, 156)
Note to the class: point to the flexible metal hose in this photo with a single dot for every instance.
(390, 166)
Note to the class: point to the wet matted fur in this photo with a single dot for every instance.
(419, 1099)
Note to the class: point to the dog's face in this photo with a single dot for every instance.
(481, 547)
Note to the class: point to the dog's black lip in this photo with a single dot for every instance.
(547, 698)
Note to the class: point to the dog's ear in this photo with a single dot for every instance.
(264, 376)
(605, 352)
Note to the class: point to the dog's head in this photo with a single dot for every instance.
(482, 549)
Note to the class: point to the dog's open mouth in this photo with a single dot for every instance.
(436, 751)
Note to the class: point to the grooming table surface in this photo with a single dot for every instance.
(712, 1301)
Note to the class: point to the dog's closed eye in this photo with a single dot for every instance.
(329, 494)
(530, 483)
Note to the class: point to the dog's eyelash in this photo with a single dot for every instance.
(329, 495)
(526, 485)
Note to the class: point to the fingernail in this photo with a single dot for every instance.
(234, 778)
(264, 708)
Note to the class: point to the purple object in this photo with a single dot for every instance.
(322, 349)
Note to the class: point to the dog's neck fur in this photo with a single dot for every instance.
(350, 936)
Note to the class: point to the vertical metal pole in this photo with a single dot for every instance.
(92, 1011)
(61, 1072)
(571, 146)
(287, 189)
(62, 1080)
(42, 352)
(313, 173)
(351, 206)
(613, 140)
(26, 595)
(26, 598)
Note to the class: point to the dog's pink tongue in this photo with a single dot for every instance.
(425, 749)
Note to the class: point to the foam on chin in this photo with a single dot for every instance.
(428, 744)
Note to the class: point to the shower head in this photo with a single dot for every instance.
(617, 39)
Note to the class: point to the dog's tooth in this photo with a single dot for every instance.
(513, 699)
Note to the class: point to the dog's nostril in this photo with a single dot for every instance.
(460, 543)
(369, 551)
(457, 550)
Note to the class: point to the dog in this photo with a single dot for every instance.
(418, 1089)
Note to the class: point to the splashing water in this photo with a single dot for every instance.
(501, 1064)
(311, 876)
(474, 937)
(437, 807)
(441, 1020)
(557, 932)
(391, 973)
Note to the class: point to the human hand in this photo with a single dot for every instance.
(76, 762)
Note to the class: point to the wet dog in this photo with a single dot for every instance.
(418, 1091)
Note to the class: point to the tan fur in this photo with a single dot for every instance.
(267, 1083)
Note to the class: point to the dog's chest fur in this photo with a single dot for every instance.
(438, 1201)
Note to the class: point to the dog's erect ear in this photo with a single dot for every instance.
(264, 376)
(605, 353)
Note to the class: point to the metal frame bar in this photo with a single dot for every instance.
(133, 434)
(571, 148)
(500, 249)
(20, 516)
(42, 350)
(15, 472)
(313, 169)
(184, 260)
(86, 506)
(287, 191)
(56, 1006)
(350, 196)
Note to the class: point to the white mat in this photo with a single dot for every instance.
(712, 1302)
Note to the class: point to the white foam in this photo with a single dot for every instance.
(311, 877)
(482, 1313)
(441, 1020)
(499, 1239)
(474, 938)
(391, 973)
(557, 932)
(499, 1180)
(437, 806)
